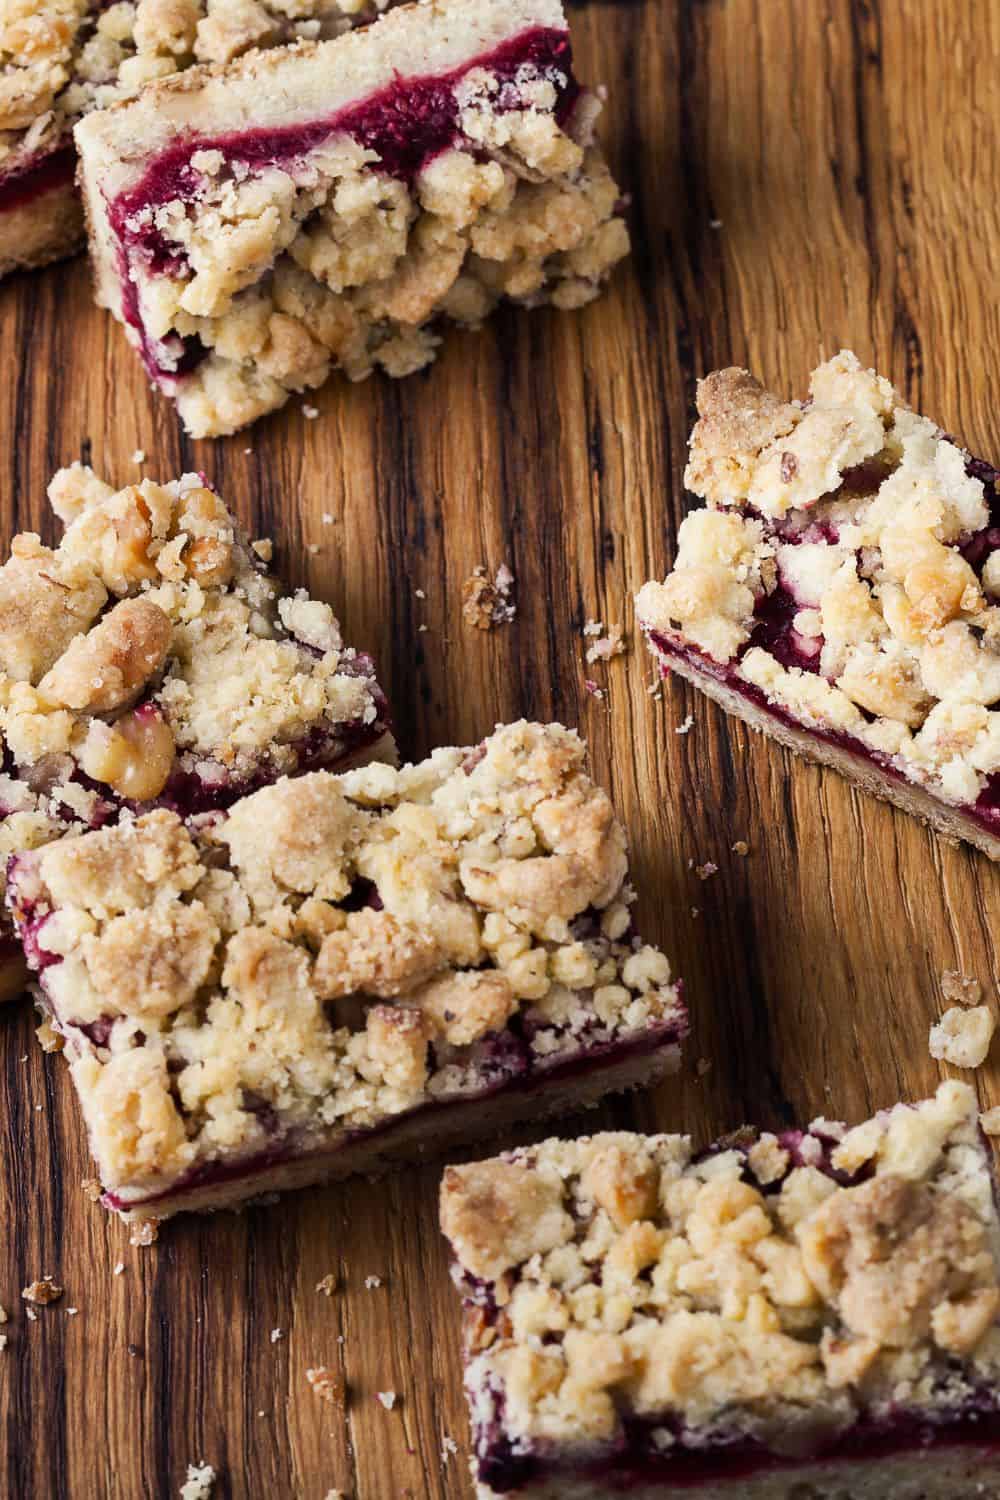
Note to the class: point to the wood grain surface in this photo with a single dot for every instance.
(804, 174)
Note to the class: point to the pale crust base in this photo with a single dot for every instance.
(953, 824)
(965, 1473)
(427, 1134)
(45, 228)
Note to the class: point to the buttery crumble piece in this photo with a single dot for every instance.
(199, 1483)
(59, 59)
(829, 1297)
(259, 226)
(327, 1384)
(484, 604)
(989, 1120)
(149, 658)
(962, 1036)
(328, 1285)
(252, 998)
(42, 1292)
(605, 647)
(741, 847)
(387, 1399)
(961, 988)
(144, 1232)
(841, 589)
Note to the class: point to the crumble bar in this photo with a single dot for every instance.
(841, 590)
(61, 58)
(149, 660)
(343, 969)
(803, 1316)
(323, 206)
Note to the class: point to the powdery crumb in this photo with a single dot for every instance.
(485, 604)
(962, 1037)
(145, 1232)
(419, 594)
(328, 1284)
(687, 726)
(32, 1315)
(387, 1398)
(448, 1448)
(92, 1187)
(326, 518)
(199, 1482)
(326, 1383)
(277, 1334)
(313, 548)
(42, 1291)
(371, 1282)
(961, 988)
(990, 1120)
(607, 646)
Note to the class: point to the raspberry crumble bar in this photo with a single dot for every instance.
(841, 591)
(341, 969)
(61, 58)
(150, 661)
(804, 1316)
(324, 206)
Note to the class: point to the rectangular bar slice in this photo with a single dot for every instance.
(808, 1316)
(840, 591)
(344, 969)
(149, 660)
(323, 206)
(61, 58)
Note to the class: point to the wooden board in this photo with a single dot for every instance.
(804, 174)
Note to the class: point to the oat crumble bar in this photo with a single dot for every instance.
(804, 1316)
(841, 590)
(149, 660)
(341, 969)
(60, 59)
(324, 206)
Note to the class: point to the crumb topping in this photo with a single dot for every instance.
(963, 1036)
(871, 531)
(148, 651)
(795, 1283)
(335, 950)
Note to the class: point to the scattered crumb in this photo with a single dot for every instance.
(963, 1037)
(264, 548)
(92, 1187)
(687, 726)
(608, 646)
(327, 1384)
(594, 689)
(961, 988)
(144, 1232)
(247, 450)
(312, 548)
(655, 691)
(486, 604)
(3, 1342)
(119, 1269)
(419, 594)
(373, 1281)
(742, 848)
(326, 518)
(387, 1398)
(3, 1316)
(199, 1482)
(310, 413)
(702, 1066)
(990, 1120)
(134, 1350)
(715, 223)
(593, 627)
(448, 1448)
(706, 871)
(335, 1495)
(277, 1334)
(48, 1038)
(38, 1109)
(32, 1315)
(696, 911)
(421, 629)
(328, 1285)
(139, 456)
(71, 1312)
(43, 1291)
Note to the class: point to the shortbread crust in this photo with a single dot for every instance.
(812, 1313)
(324, 206)
(340, 969)
(841, 589)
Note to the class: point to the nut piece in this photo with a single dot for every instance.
(626, 1187)
(135, 757)
(42, 1292)
(109, 666)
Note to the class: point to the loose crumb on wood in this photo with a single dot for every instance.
(706, 871)
(486, 605)
(448, 1448)
(387, 1398)
(42, 1291)
(119, 1269)
(144, 1232)
(32, 1315)
(687, 726)
(92, 1188)
(742, 848)
(594, 689)
(139, 456)
(702, 1066)
(326, 1383)
(264, 548)
(605, 647)
(990, 1120)
(198, 1485)
(371, 1282)
(962, 1036)
(328, 1284)
(310, 413)
(961, 988)
(277, 1334)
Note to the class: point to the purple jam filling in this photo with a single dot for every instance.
(407, 123)
(39, 174)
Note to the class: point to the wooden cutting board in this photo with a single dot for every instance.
(804, 174)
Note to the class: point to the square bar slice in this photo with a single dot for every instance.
(344, 969)
(809, 1316)
(149, 660)
(61, 58)
(324, 206)
(841, 591)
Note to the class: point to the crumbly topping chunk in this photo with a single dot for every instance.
(336, 949)
(846, 568)
(750, 1287)
(963, 1037)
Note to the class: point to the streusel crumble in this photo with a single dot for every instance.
(343, 968)
(810, 1314)
(60, 59)
(149, 660)
(322, 207)
(841, 590)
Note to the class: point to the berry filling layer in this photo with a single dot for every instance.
(48, 172)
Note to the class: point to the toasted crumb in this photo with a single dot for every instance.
(92, 1187)
(485, 604)
(328, 1285)
(706, 871)
(419, 594)
(607, 646)
(3, 1316)
(48, 1038)
(961, 988)
(593, 628)
(199, 1482)
(326, 1383)
(687, 726)
(144, 1232)
(264, 548)
(741, 847)
(42, 1291)
(277, 1334)
(326, 518)
(990, 1120)
(962, 1037)
(387, 1398)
